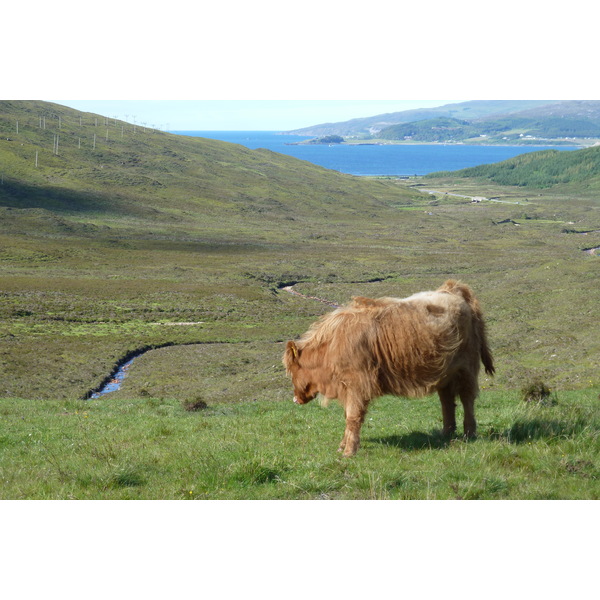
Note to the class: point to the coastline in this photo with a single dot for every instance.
(539, 143)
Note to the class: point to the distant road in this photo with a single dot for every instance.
(472, 198)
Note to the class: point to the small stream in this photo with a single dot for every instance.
(115, 381)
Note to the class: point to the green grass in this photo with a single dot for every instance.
(152, 448)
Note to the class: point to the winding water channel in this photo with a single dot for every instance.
(114, 381)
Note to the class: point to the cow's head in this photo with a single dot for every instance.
(305, 389)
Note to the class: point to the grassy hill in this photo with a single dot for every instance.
(103, 166)
(430, 130)
(540, 170)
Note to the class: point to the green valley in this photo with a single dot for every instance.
(117, 237)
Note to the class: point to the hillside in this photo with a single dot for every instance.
(562, 122)
(368, 126)
(77, 164)
(540, 170)
(116, 229)
(479, 122)
(430, 130)
(566, 109)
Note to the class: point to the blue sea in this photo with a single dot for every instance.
(399, 160)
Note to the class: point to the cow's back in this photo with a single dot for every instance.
(416, 341)
(400, 346)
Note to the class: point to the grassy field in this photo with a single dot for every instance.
(152, 448)
(182, 246)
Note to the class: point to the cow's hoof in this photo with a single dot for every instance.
(350, 450)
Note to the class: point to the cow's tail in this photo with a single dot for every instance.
(456, 287)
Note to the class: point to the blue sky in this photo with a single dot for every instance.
(239, 50)
(211, 65)
(256, 115)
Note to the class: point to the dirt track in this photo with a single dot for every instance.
(290, 289)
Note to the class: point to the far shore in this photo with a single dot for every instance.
(514, 143)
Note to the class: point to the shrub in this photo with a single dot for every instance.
(540, 393)
(194, 405)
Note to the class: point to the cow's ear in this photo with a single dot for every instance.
(292, 351)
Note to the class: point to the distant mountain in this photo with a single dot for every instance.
(554, 122)
(475, 109)
(572, 109)
(539, 169)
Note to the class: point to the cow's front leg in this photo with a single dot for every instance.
(355, 416)
(342, 446)
(343, 443)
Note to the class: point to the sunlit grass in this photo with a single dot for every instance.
(155, 448)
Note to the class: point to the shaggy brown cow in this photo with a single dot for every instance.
(429, 342)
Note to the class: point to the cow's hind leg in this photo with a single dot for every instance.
(468, 392)
(355, 415)
(447, 395)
